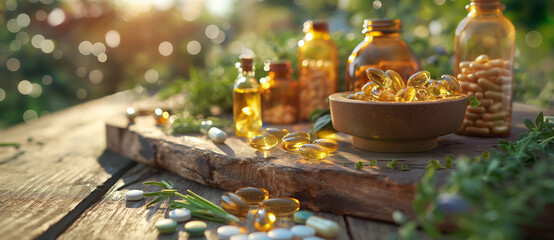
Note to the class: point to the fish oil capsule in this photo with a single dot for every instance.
(264, 142)
(368, 87)
(438, 89)
(252, 195)
(313, 152)
(281, 206)
(378, 77)
(397, 81)
(380, 94)
(419, 79)
(364, 96)
(264, 220)
(279, 133)
(294, 143)
(330, 145)
(422, 94)
(297, 134)
(234, 204)
(406, 94)
(482, 59)
(352, 96)
(453, 84)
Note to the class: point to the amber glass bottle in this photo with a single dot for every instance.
(279, 94)
(317, 68)
(247, 107)
(381, 48)
(484, 55)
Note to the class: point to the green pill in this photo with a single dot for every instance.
(166, 226)
(196, 228)
(301, 216)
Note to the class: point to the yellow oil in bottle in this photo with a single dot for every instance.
(246, 112)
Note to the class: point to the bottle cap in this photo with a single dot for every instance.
(383, 25)
(278, 66)
(316, 25)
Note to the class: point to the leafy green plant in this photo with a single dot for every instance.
(490, 196)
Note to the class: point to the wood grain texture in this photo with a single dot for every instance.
(60, 168)
(328, 185)
(115, 218)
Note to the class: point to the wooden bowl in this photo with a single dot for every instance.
(396, 126)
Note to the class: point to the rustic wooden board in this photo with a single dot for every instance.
(327, 185)
(60, 168)
(115, 218)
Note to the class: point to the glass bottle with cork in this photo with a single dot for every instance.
(317, 68)
(483, 63)
(247, 107)
(382, 48)
(279, 94)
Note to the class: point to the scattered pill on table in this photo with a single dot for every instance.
(166, 226)
(134, 195)
(217, 135)
(180, 214)
(258, 236)
(323, 227)
(302, 231)
(227, 231)
(252, 195)
(196, 228)
(280, 234)
(301, 216)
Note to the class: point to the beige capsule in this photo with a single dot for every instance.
(486, 102)
(494, 116)
(477, 130)
(475, 66)
(482, 59)
(464, 64)
(467, 122)
(479, 95)
(488, 85)
(494, 95)
(495, 107)
(476, 110)
(500, 129)
(481, 123)
(496, 63)
(493, 72)
(473, 116)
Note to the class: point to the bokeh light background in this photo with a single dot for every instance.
(58, 53)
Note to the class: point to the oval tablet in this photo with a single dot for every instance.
(227, 231)
(196, 228)
(166, 226)
(180, 214)
(280, 234)
(302, 231)
(134, 195)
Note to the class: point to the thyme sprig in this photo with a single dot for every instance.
(198, 206)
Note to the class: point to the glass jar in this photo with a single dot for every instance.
(247, 108)
(382, 48)
(317, 68)
(279, 94)
(483, 58)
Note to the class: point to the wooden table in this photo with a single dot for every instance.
(62, 182)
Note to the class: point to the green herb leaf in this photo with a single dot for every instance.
(373, 163)
(359, 165)
(540, 119)
(161, 184)
(154, 201)
(529, 124)
(474, 102)
(404, 167)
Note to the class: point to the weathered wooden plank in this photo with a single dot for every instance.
(327, 185)
(50, 180)
(115, 218)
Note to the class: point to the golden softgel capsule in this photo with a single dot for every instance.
(264, 142)
(293, 143)
(281, 206)
(252, 195)
(297, 134)
(313, 152)
(279, 133)
(419, 79)
(264, 220)
(234, 204)
(397, 81)
(330, 145)
(378, 77)
(406, 94)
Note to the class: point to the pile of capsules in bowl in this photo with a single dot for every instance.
(295, 142)
(390, 87)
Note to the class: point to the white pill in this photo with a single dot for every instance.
(134, 195)
(217, 135)
(280, 234)
(302, 231)
(227, 231)
(180, 214)
(323, 227)
(239, 237)
(258, 236)
(313, 238)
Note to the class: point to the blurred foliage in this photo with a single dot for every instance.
(271, 28)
